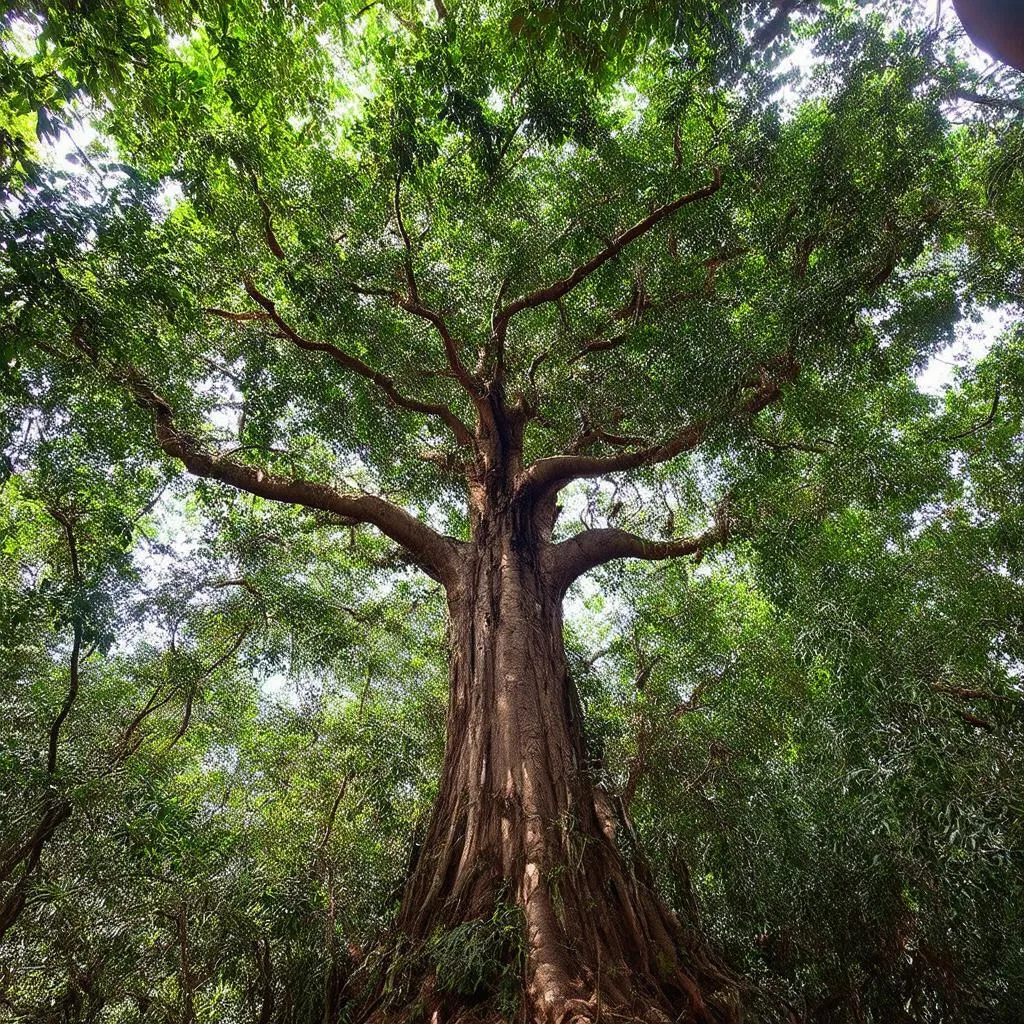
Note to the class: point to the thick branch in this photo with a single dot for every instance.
(268, 231)
(356, 365)
(553, 292)
(994, 102)
(571, 558)
(555, 472)
(558, 470)
(268, 220)
(435, 554)
(978, 723)
(598, 345)
(966, 694)
(56, 811)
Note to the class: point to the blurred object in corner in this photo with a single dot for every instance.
(997, 26)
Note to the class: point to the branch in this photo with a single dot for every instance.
(535, 364)
(462, 374)
(966, 694)
(641, 303)
(268, 221)
(410, 277)
(76, 644)
(462, 433)
(571, 558)
(268, 231)
(555, 291)
(498, 336)
(186, 718)
(126, 745)
(556, 471)
(591, 437)
(978, 723)
(798, 446)
(995, 102)
(985, 423)
(56, 811)
(411, 303)
(226, 314)
(637, 307)
(437, 555)
(598, 345)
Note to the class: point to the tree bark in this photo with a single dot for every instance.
(519, 819)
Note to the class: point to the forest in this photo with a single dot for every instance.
(511, 512)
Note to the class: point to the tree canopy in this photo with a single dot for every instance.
(300, 299)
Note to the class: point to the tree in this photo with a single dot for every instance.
(470, 275)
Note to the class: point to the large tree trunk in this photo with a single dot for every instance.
(518, 819)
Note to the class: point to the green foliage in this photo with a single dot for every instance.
(483, 959)
(830, 755)
(816, 732)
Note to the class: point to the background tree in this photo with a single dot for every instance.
(479, 278)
